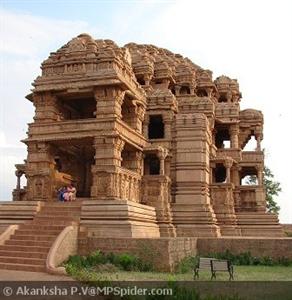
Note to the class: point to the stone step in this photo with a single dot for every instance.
(33, 226)
(36, 232)
(62, 204)
(60, 209)
(26, 254)
(59, 212)
(44, 217)
(49, 222)
(23, 267)
(22, 260)
(33, 237)
(25, 248)
(28, 243)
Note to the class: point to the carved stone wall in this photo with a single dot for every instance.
(107, 147)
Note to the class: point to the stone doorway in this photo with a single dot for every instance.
(73, 160)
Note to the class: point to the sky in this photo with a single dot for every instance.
(250, 40)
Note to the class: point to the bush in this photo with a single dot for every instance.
(124, 261)
(187, 264)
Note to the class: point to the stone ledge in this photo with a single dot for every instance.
(261, 246)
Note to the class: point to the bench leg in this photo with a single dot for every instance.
(231, 276)
(213, 275)
(231, 273)
(196, 274)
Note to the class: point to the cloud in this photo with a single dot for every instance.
(27, 35)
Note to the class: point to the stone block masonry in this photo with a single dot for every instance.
(259, 247)
(163, 253)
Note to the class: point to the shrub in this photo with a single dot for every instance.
(124, 261)
(187, 264)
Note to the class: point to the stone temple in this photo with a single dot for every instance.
(152, 143)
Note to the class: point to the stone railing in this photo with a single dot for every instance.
(252, 156)
(227, 110)
(229, 152)
(252, 198)
(68, 126)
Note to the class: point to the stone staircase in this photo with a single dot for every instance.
(28, 247)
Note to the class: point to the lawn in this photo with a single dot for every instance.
(254, 278)
(241, 273)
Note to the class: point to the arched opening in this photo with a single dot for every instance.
(141, 80)
(219, 173)
(72, 163)
(185, 90)
(249, 176)
(222, 137)
(251, 144)
(202, 93)
(222, 98)
(172, 90)
(156, 127)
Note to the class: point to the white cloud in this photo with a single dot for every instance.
(24, 34)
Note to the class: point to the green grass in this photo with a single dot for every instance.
(241, 273)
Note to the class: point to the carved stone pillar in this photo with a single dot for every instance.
(46, 107)
(259, 139)
(145, 126)
(167, 120)
(260, 170)
(162, 155)
(107, 162)
(139, 117)
(18, 174)
(234, 133)
(109, 101)
(228, 164)
(108, 151)
(40, 172)
(214, 132)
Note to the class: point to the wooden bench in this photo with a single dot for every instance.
(221, 266)
(213, 265)
(203, 264)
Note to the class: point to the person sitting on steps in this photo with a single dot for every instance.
(66, 194)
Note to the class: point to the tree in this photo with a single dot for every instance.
(272, 189)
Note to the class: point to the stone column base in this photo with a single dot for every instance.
(119, 218)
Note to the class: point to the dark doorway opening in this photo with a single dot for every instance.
(220, 173)
(156, 127)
